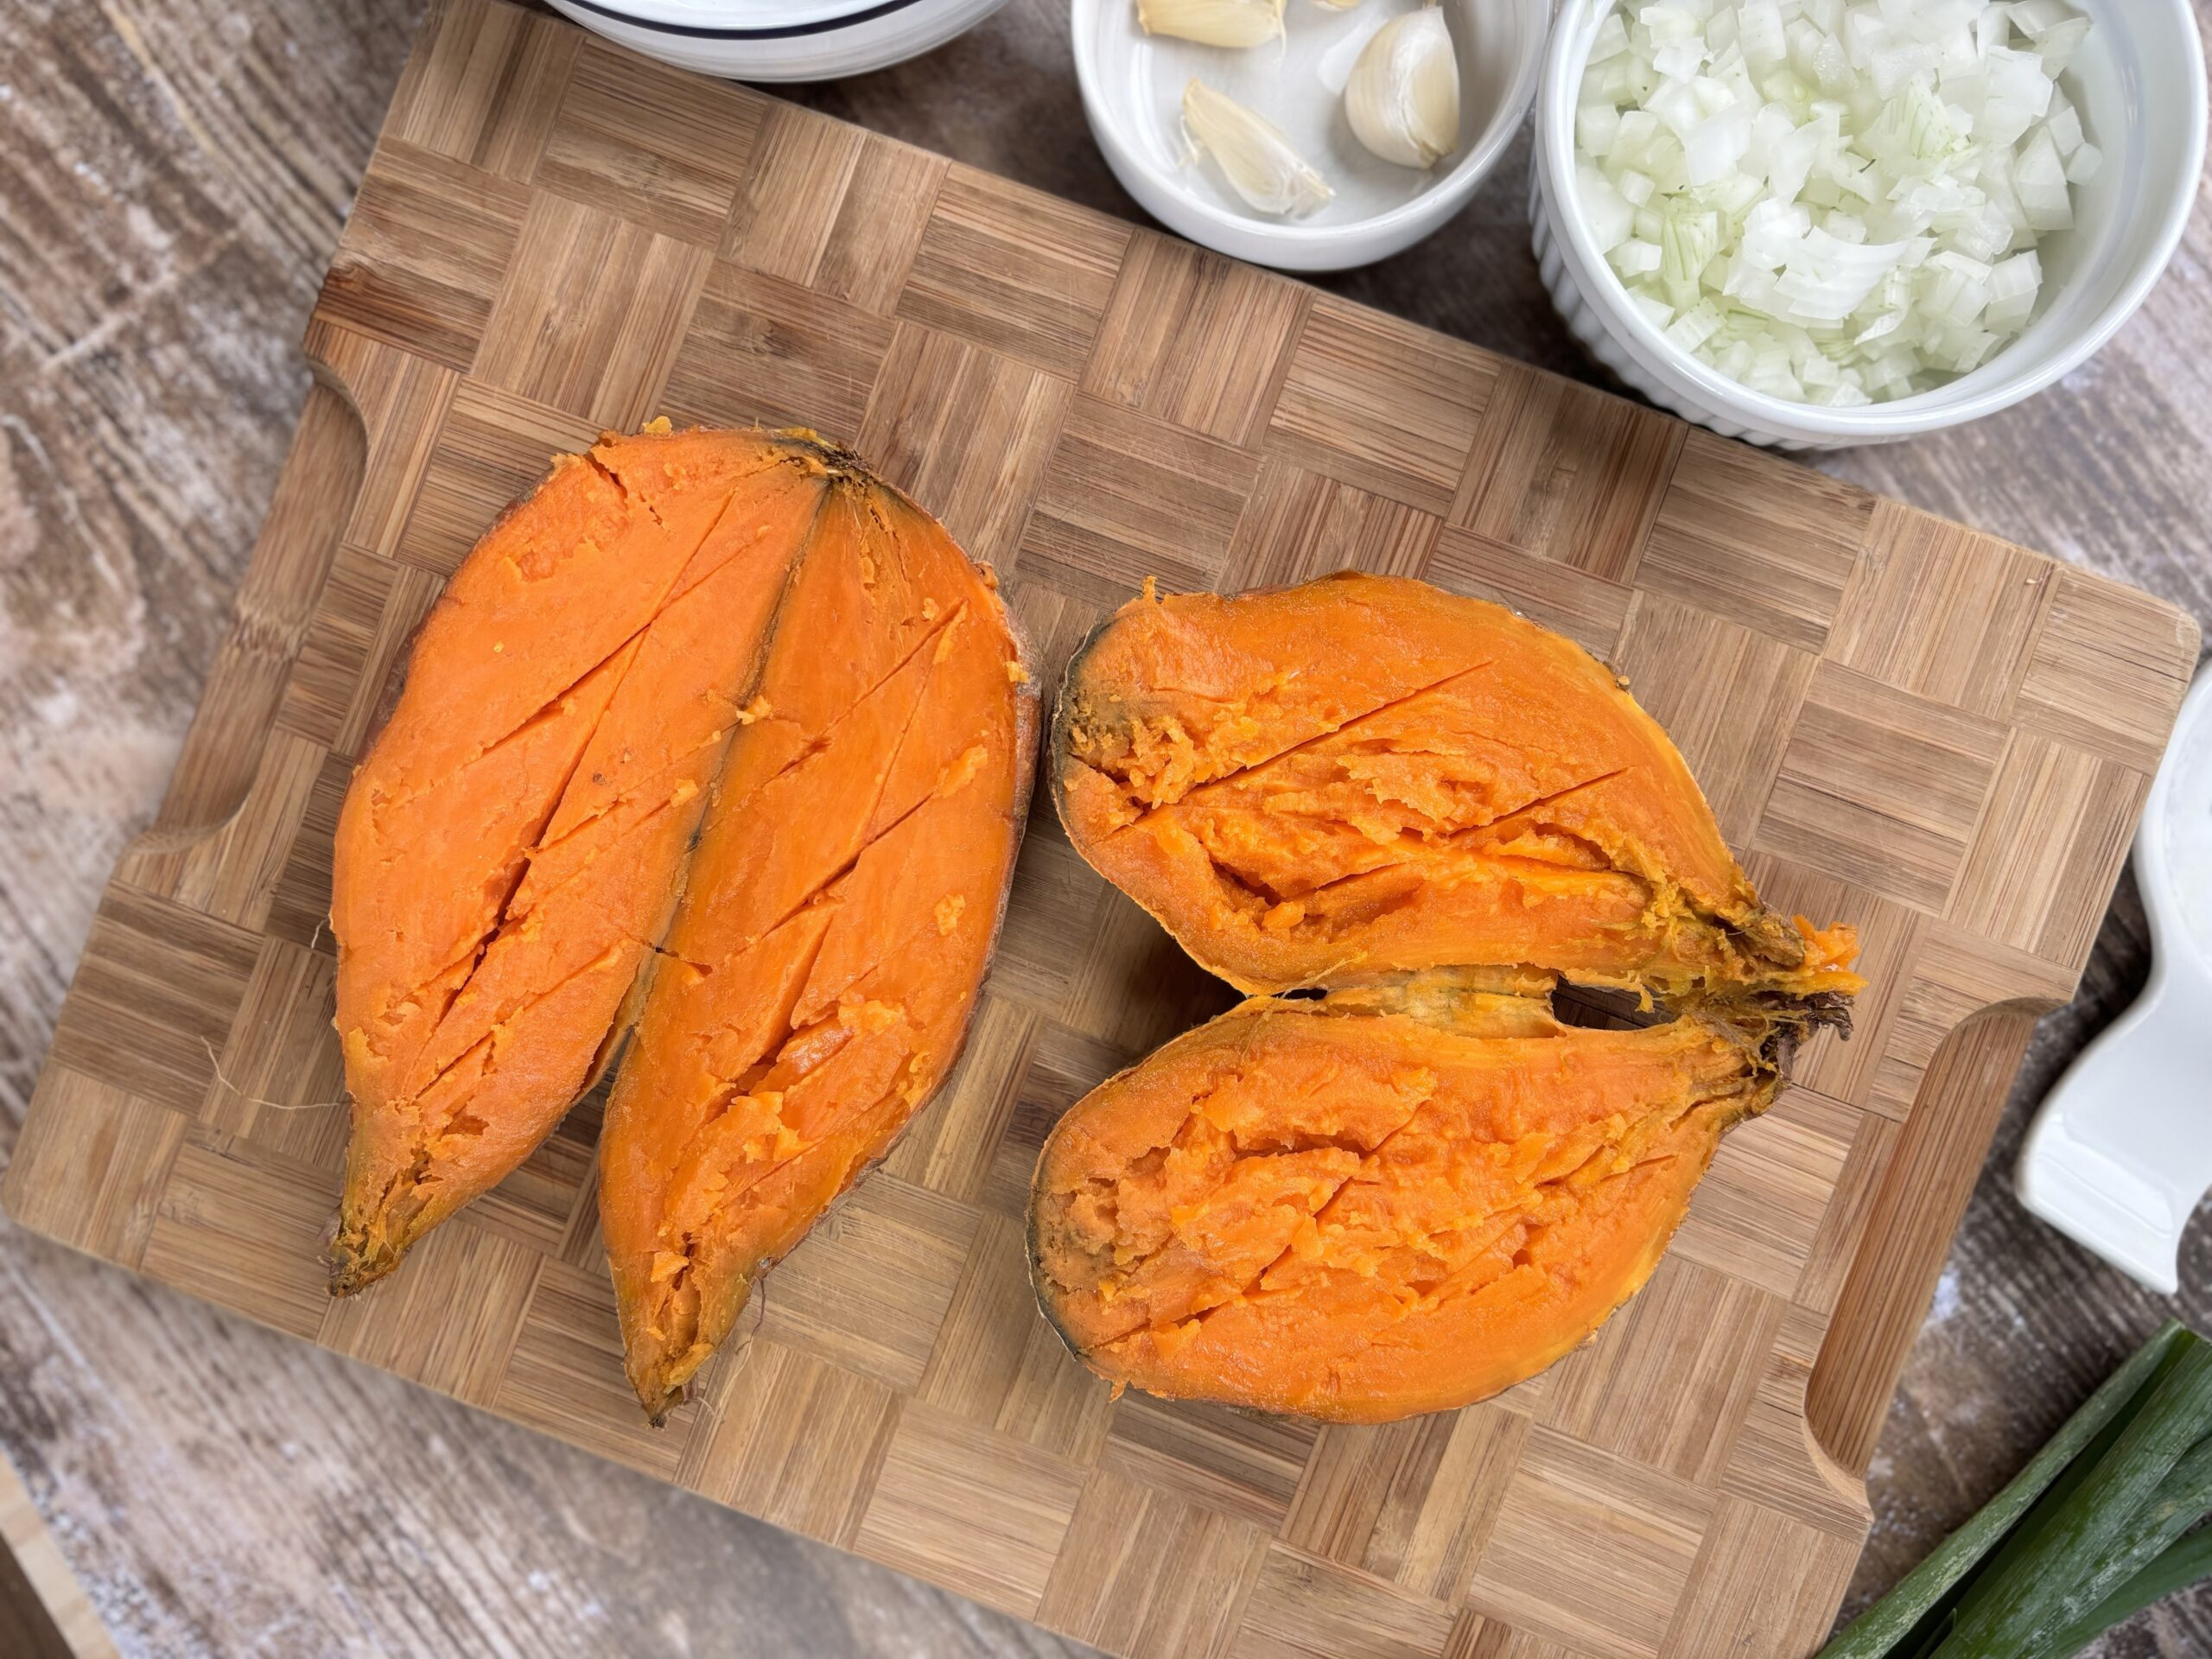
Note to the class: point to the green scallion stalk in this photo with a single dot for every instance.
(2181, 1565)
(2008, 1612)
(1931, 1635)
(2055, 1502)
(1876, 1633)
(2179, 1503)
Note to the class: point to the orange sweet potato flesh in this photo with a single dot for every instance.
(1379, 1203)
(1364, 775)
(827, 952)
(510, 847)
(729, 665)
(1421, 1187)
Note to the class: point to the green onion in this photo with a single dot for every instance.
(2008, 1611)
(2178, 1504)
(2096, 1528)
(2183, 1565)
(2023, 1537)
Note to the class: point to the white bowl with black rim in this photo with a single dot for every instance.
(779, 40)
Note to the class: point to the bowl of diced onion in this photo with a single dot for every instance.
(1822, 223)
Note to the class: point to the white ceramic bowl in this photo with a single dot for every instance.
(2139, 81)
(1133, 95)
(779, 40)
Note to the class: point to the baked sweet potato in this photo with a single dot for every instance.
(1364, 775)
(510, 847)
(1381, 1202)
(725, 664)
(827, 955)
(1421, 1187)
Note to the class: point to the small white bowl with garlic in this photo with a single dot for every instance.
(1327, 200)
(2131, 90)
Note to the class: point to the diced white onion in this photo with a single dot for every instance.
(1607, 212)
(1634, 257)
(1596, 126)
(1832, 200)
(2065, 124)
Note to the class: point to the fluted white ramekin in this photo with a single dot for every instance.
(2138, 81)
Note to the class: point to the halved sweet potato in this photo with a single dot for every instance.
(741, 627)
(831, 941)
(512, 843)
(1364, 775)
(1379, 1203)
(1422, 1187)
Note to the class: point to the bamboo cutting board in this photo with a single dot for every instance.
(1942, 738)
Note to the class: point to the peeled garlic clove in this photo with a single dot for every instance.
(1336, 5)
(1252, 152)
(1213, 22)
(1403, 98)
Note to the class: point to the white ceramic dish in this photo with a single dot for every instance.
(1132, 93)
(2122, 1150)
(2139, 82)
(779, 40)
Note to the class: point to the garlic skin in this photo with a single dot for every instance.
(1403, 98)
(1252, 153)
(1213, 22)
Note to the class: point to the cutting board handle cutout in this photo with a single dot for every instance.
(283, 583)
(1919, 1199)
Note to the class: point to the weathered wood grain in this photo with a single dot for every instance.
(44, 1612)
(146, 394)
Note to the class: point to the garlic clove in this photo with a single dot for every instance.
(1252, 153)
(1337, 5)
(1213, 22)
(1403, 98)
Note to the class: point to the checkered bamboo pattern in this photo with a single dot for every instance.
(1939, 737)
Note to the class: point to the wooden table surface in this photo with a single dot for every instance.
(172, 176)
